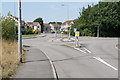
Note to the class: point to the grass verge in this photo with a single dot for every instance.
(30, 35)
(9, 58)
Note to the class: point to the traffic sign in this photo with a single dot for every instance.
(61, 30)
(77, 33)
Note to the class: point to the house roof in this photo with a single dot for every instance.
(68, 22)
(30, 23)
(75, 19)
(56, 25)
(46, 25)
(33, 23)
(17, 19)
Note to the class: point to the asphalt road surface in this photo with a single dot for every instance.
(97, 59)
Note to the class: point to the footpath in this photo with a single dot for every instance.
(36, 65)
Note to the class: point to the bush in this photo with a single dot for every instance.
(86, 32)
(36, 31)
(29, 31)
(65, 32)
(8, 31)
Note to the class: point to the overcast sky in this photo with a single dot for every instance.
(49, 11)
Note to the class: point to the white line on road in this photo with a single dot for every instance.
(88, 50)
(97, 58)
(52, 65)
(79, 50)
(101, 60)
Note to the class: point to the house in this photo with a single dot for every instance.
(34, 25)
(66, 24)
(47, 28)
(55, 27)
(16, 21)
(30, 24)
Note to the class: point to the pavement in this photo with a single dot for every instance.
(36, 65)
(97, 58)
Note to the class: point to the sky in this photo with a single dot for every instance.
(48, 11)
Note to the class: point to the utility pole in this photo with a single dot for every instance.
(97, 31)
(98, 27)
(19, 31)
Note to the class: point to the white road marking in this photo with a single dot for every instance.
(101, 60)
(88, 50)
(79, 50)
(52, 65)
(97, 58)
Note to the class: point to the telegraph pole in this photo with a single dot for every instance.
(19, 31)
(97, 31)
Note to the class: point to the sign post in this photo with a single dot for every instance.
(76, 38)
(61, 33)
(75, 34)
(19, 31)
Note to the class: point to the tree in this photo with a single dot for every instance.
(41, 23)
(55, 23)
(106, 15)
(59, 23)
(8, 32)
(52, 23)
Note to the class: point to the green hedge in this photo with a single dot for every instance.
(8, 29)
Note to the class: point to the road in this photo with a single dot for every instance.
(99, 61)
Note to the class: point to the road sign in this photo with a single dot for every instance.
(75, 29)
(77, 33)
(61, 30)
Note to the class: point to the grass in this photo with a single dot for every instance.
(9, 58)
(30, 35)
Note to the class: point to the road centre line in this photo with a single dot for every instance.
(101, 60)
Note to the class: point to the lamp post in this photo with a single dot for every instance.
(19, 31)
(68, 18)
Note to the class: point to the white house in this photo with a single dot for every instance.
(16, 20)
(55, 27)
(34, 25)
(66, 24)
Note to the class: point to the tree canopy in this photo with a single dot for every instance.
(106, 15)
(55, 23)
(40, 20)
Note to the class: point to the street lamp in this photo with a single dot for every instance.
(19, 31)
(68, 17)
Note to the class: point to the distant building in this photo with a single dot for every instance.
(55, 27)
(34, 25)
(47, 28)
(66, 24)
(75, 19)
(16, 21)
